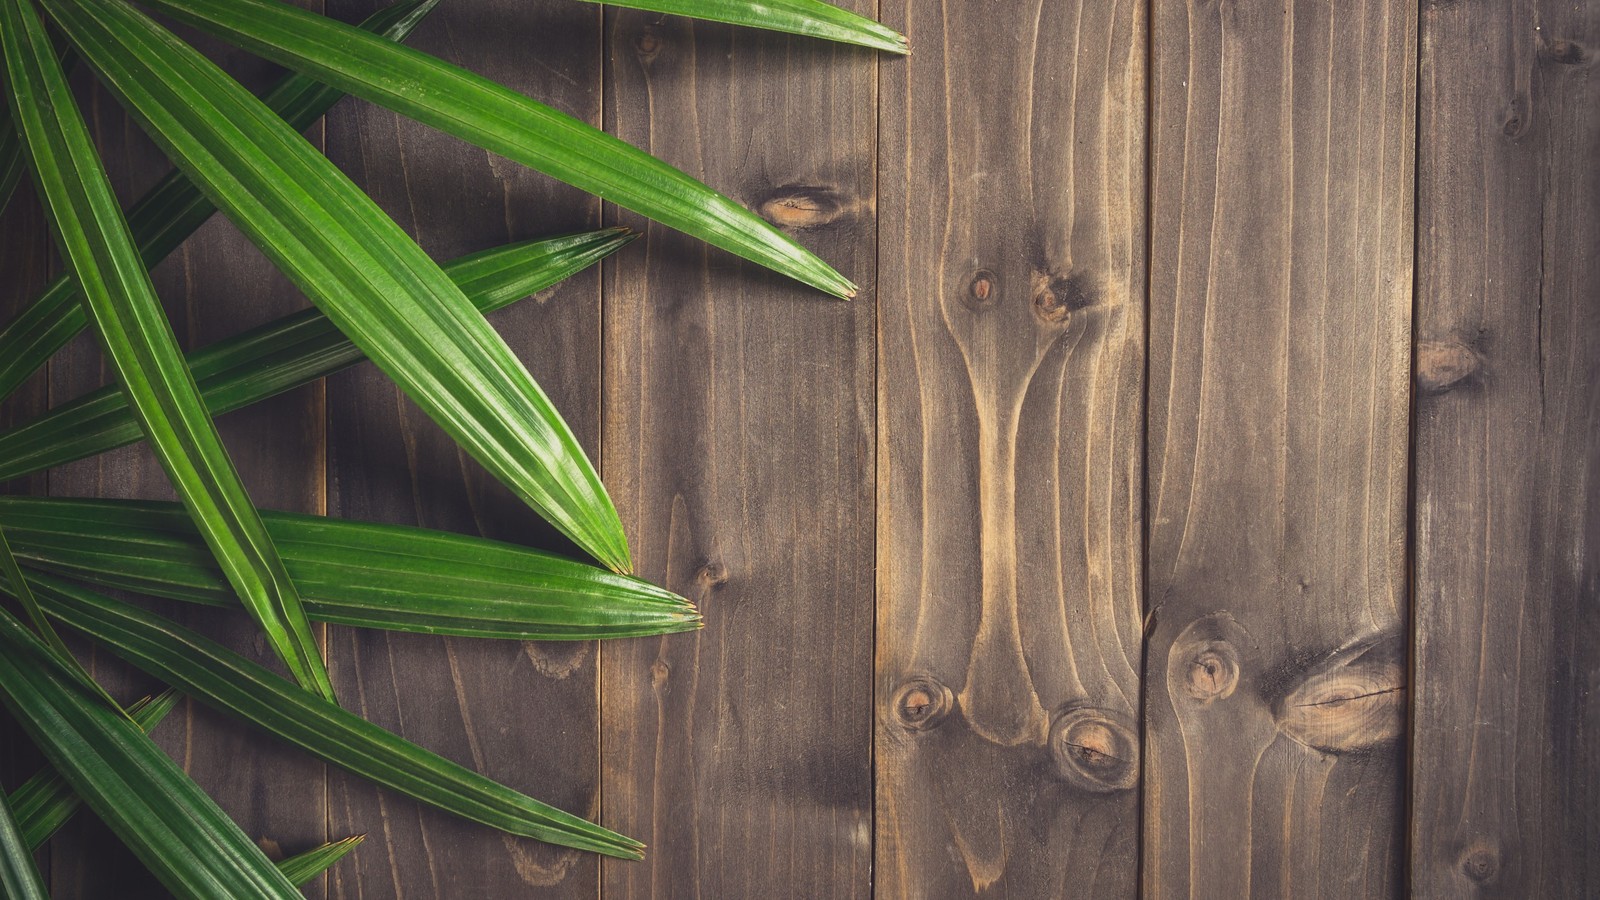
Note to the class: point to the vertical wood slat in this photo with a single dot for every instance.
(214, 286)
(523, 714)
(28, 258)
(738, 448)
(1010, 392)
(1281, 287)
(1506, 793)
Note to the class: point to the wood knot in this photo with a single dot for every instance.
(1568, 52)
(660, 670)
(982, 290)
(1093, 749)
(922, 703)
(1213, 672)
(647, 43)
(1057, 297)
(1354, 700)
(1517, 119)
(1443, 364)
(1480, 862)
(803, 206)
(712, 574)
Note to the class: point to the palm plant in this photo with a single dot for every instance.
(377, 297)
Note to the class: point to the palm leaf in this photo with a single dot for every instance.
(353, 573)
(222, 679)
(139, 342)
(46, 802)
(302, 867)
(812, 18)
(287, 353)
(370, 279)
(168, 213)
(174, 829)
(501, 121)
(19, 876)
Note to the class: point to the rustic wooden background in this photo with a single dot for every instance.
(1201, 499)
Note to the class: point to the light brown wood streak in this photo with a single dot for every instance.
(523, 714)
(1010, 370)
(738, 448)
(1281, 229)
(1506, 790)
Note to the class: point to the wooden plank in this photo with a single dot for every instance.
(1010, 391)
(29, 261)
(214, 286)
(738, 449)
(1281, 244)
(1506, 792)
(524, 714)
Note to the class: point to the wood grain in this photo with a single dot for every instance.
(1281, 284)
(1506, 792)
(1010, 392)
(523, 714)
(738, 448)
(214, 286)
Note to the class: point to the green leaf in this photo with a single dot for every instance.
(501, 121)
(174, 829)
(812, 18)
(289, 352)
(139, 342)
(222, 679)
(356, 264)
(46, 802)
(19, 875)
(169, 213)
(303, 867)
(353, 573)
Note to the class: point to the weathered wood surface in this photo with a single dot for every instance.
(1017, 528)
(1010, 377)
(523, 714)
(1280, 302)
(1506, 785)
(738, 448)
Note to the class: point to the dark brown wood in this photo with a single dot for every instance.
(739, 452)
(524, 714)
(1010, 382)
(215, 285)
(1506, 738)
(1281, 242)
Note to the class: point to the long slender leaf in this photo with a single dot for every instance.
(165, 819)
(221, 678)
(169, 213)
(812, 18)
(289, 352)
(46, 802)
(19, 876)
(302, 867)
(353, 573)
(356, 264)
(502, 121)
(139, 343)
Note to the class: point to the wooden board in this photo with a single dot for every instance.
(1010, 382)
(1506, 794)
(1281, 241)
(523, 714)
(738, 447)
(214, 286)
